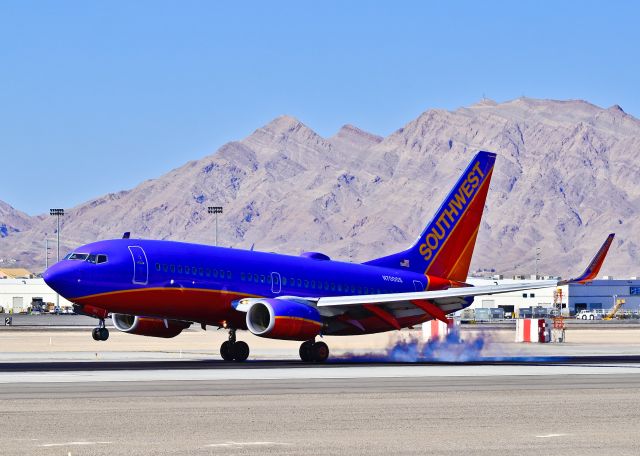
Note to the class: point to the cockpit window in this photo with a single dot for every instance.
(96, 259)
(78, 256)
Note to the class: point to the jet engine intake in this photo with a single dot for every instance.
(283, 319)
(148, 326)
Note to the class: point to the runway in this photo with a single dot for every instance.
(128, 371)
(440, 415)
(61, 395)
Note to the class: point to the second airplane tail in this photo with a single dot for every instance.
(445, 247)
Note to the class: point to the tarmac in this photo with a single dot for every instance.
(133, 395)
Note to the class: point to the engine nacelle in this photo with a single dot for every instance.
(147, 326)
(282, 319)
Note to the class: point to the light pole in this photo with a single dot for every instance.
(538, 250)
(57, 213)
(215, 210)
(46, 254)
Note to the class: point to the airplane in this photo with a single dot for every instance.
(159, 288)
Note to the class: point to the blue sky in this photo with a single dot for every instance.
(97, 96)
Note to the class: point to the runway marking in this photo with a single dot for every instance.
(283, 373)
(46, 445)
(548, 436)
(242, 444)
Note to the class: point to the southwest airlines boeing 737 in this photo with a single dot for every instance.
(159, 288)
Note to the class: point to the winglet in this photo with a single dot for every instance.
(594, 267)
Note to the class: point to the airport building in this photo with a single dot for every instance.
(17, 295)
(600, 294)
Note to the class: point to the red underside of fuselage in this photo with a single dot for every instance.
(212, 307)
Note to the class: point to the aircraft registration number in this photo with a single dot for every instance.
(392, 278)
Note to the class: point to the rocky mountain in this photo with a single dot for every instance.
(564, 178)
(12, 220)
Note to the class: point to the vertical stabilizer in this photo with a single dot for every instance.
(445, 247)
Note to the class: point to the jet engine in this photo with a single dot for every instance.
(283, 319)
(147, 326)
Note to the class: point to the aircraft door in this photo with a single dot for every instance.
(419, 286)
(140, 265)
(276, 285)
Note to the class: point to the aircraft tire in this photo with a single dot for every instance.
(320, 352)
(305, 351)
(240, 351)
(103, 334)
(94, 333)
(226, 350)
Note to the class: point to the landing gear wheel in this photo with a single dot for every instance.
(103, 334)
(100, 333)
(320, 352)
(226, 350)
(240, 351)
(305, 351)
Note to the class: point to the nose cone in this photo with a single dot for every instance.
(62, 277)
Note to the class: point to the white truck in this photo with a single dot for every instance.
(595, 314)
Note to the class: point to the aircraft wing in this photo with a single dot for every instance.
(460, 292)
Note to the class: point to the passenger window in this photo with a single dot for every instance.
(326, 285)
(165, 268)
(339, 287)
(222, 273)
(313, 284)
(242, 276)
(300, 282)
(359, 290)
(186, 270)
(255, 278)
(101, 259)
(173, 268)
(157, 266)
(333, 286)
(201, 272)
(180, 268)
(293, 282)
(269, 279)
(262, 279)
(215, 273)
(284, 281)
(208, 273)
(353, 289)
(228, 274)
(306, 283)
(366, 290)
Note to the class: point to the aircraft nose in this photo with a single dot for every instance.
(60, 277)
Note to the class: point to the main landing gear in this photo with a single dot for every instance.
(230, 350)
(101, 332)
(314, 352)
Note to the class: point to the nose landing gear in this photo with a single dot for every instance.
(314, 352)
(101, 332)
(231, 350)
